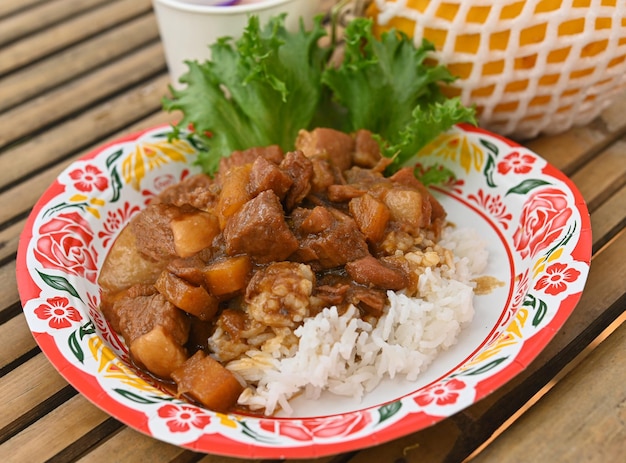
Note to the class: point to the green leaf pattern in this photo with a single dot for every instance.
(387, 411)
(59, 282)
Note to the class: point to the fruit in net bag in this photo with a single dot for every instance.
(530, 67)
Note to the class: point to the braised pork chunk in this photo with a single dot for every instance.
(244, 258)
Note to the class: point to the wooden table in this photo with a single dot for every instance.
(77, 73)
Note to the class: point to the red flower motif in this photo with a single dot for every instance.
(330, 427)
(441, 394)
(181, 418)
(65, 243)
(518, 163)
(556, 278)
(493, 205)
(543, 218)
(116, 220)
(164, 181)
(59, 313)
(521, 289)
(103, 326)
(89, 178)
(161, 183)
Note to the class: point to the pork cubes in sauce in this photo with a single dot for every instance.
(215, 266)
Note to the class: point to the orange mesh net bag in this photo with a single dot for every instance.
(530, 67)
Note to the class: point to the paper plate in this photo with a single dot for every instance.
(532, 216)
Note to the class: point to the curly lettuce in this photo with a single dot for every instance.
(266, 86)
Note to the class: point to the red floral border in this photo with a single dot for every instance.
(219, 444)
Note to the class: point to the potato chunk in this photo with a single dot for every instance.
(234, 192)
(158, 352)
(125, 266)
(194, 300)
(228, 276)
(405, 207)
(207, 381)
(371, 215)
(194, 232)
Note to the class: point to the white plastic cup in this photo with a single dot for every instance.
(188, 28)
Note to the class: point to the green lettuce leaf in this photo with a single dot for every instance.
(257, 91)
(387, 88)
(263, 88)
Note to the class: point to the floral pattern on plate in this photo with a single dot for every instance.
(540, 237)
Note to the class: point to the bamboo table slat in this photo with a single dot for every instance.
(66, 65)
(76, 74)
(580, 430)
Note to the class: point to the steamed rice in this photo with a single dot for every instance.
(346, 355)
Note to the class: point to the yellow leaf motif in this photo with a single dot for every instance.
(176, 150)
(518, 323)
(510, 336)
(555, 255)
(78, 198)
(540, 265)
(93, 211)
(100, 350)
(133, 169)
(149, 156)
(112, 367)
(539, 269)
(120, 371)
(458, 148)
(226, 420)
(504, 340)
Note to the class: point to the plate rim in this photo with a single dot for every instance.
(233, 448)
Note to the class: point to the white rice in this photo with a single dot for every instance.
(347, 356)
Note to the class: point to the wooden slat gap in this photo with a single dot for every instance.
(607, 193)
(343, 458)
(34, 414)
(12, 7)
(507, 405)
(76, 62)
(620, 229)
(18, 361)
(10, 221)
(37, 47)
(20, 173)
(188, 456)
(600, 179)
(55, 53)
(82, 446)
(609, 220)
(74, 153)
(9, 239)
(129, 86)
(59, 106)
(26, 193)
(70, 155)
(7, 313)
(580, 162)
(41, 17)
(111, 29)
(9, 257)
